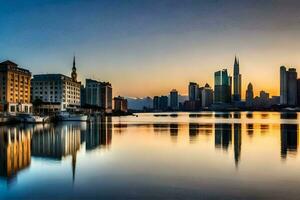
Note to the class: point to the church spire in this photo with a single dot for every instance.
(74, 67)
(74, 73)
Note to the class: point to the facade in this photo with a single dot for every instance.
(222, 92)
(98, 94)
(249, 95)
(120, 104)
(193, 91)
(206, 96)
(288, 86)
(57, 89)
(174, 99)
(14, 88)
(237, 81)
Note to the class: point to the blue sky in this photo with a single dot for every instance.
(150, 47)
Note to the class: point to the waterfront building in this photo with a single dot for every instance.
(14, 88)
(57, 89)
(298, 92)
(237, 81)
(222, 92)
(163, 103)
(98, 94)
(288, 86)
(120, 104)
(174, 99)
(206, 96)
(193, 91)
(249, 96)
(156, 103)
(283, 85)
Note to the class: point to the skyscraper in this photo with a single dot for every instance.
(249, 95)
(222, 87)
(292, 87)
(283, 86)
(163, 103)
(174, 99)
(288, 86)
(193, 91)
(237, 81)
(156, 102)
(206, 96)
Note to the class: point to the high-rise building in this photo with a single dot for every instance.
(163, 103)
(283, 85)
(288, 86)
(298, 92)
(120, 104)
(249, 95)
(237, 81)
(98, 94)
(193, 91)
(156, 102)
(206, 96)
(222, 93)
(14, 88)
(174, 99)
(292, 87)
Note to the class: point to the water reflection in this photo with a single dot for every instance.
(223, 135)
(289, 139)
(237, 142)
(208, 147)
(99, 134)
(15, 152)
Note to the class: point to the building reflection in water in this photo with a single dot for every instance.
(264, 128)
(15, 153)
(174, 131)
(99, 133)
(250, 129)
(160, 127)
(289, 139)
(249, 115)
(58, 142)
(237, 128)
(223, 135)
(289, 115)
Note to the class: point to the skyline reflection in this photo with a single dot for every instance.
(170, 144)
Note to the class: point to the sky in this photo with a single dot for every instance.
(149, 47)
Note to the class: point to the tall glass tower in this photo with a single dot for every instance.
(237, 81)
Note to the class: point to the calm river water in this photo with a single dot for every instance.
(184, 156)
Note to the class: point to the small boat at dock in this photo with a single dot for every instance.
(66, 116)
(30, 118)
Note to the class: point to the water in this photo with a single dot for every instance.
(188, 156)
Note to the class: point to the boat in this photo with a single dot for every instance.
(30, 118)
(66, 116)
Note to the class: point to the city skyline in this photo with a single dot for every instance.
(144, 42)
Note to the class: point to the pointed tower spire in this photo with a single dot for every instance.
(74, 65)
(235, 60)
(74, 73)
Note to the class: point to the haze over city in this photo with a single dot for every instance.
(146, 49)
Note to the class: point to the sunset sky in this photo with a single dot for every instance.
(148, 47)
